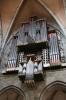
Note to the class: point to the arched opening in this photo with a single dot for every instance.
(54, 91)
(12, 93)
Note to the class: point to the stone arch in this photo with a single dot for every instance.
(54, 91)
(12, 93)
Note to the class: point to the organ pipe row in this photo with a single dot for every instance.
(32, 32)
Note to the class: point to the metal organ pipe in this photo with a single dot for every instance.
(20, 68)
(44, 31)
(26, 32)
(40, 66)
(33, 30)
(29, 69)
(20, 35)
(38, 31)
(13, 54)
(54, 49)
(35, 67)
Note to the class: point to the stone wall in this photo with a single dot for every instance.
(33, 93)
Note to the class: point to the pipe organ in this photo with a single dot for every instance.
(37, 48)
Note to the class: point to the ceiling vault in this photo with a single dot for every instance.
(12, 21)
(17, 11)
